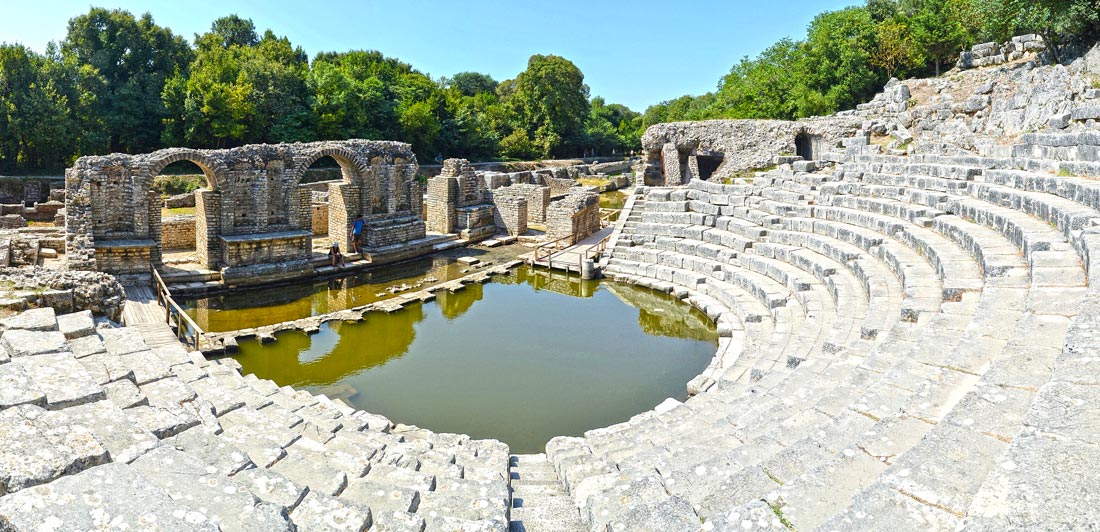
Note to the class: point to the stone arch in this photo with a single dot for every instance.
(350, 166)
(210, 168)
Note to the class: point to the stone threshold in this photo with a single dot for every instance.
(221, 343)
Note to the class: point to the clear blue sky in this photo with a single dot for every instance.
(632, 52)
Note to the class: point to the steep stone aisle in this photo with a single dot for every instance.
(539, 501)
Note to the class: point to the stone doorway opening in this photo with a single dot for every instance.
(708, 164)
(809, 147)
(316, 179)
(178, 184)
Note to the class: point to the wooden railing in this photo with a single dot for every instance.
(550, 248)
(187, 331)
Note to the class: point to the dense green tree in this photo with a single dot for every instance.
(135, 57)
(1058, 21)
(763, 87)
(240, 93)
(939, 28)
(472, 83)
(551, 99)
(36, 126)
(836, 62)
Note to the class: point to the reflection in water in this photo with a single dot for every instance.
(661, 315)
(267, 306)
(545, 355)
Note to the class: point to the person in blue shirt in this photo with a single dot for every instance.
(357, 233)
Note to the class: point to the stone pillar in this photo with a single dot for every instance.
(692, 169)
(670, 159)
(442, 201)
(305, 217)
(154, 203)
(343, 205)
(208, 225)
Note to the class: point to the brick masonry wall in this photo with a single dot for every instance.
(577, 214)
(320, 218)
(178, 232)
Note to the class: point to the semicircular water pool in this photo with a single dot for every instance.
(524, 358)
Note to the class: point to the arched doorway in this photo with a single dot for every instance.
(178, 184)
(317, 178)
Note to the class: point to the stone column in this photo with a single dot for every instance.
(670, 159)
(442, 201)
(208, 225)
(305, 217)
(154, 204)
(343, 205)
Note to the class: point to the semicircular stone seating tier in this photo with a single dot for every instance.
(906, 343)
(253, 219)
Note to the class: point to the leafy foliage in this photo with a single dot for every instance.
(123, 83)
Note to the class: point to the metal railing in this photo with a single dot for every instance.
(187, 331)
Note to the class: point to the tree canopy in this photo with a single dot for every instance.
(847, 55)
(120, 83)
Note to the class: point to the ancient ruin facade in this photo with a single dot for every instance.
(252, 218)
(679, 152)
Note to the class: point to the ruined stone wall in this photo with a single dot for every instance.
(441, 204)
(538, 199)
(576, 214)
(510, 211)
(68, 291)
(254, 190)
(559, 186)
(741, 144)
(178, 232)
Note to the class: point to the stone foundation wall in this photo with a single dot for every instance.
(391, 234)
(265, 249)
(122, 259)
(178, 232)
(510, 212)
(576, 214)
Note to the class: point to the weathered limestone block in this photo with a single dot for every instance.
(38, 446)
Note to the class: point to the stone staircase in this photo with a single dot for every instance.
(167, 439)
(539, 501)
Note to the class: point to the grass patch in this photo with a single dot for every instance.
(171, 185)
(1064, 172)
(592, 181)
(178, 211)
(779, 514)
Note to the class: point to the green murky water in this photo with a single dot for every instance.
(612, 199)
(277, 304)
(522, 359)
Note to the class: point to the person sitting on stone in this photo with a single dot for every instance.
(357, 234)
(335, 255)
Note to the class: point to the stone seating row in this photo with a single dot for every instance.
(164, 436)
(1002, 299)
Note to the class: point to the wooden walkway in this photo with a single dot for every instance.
(570, 258)
(147, 316)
